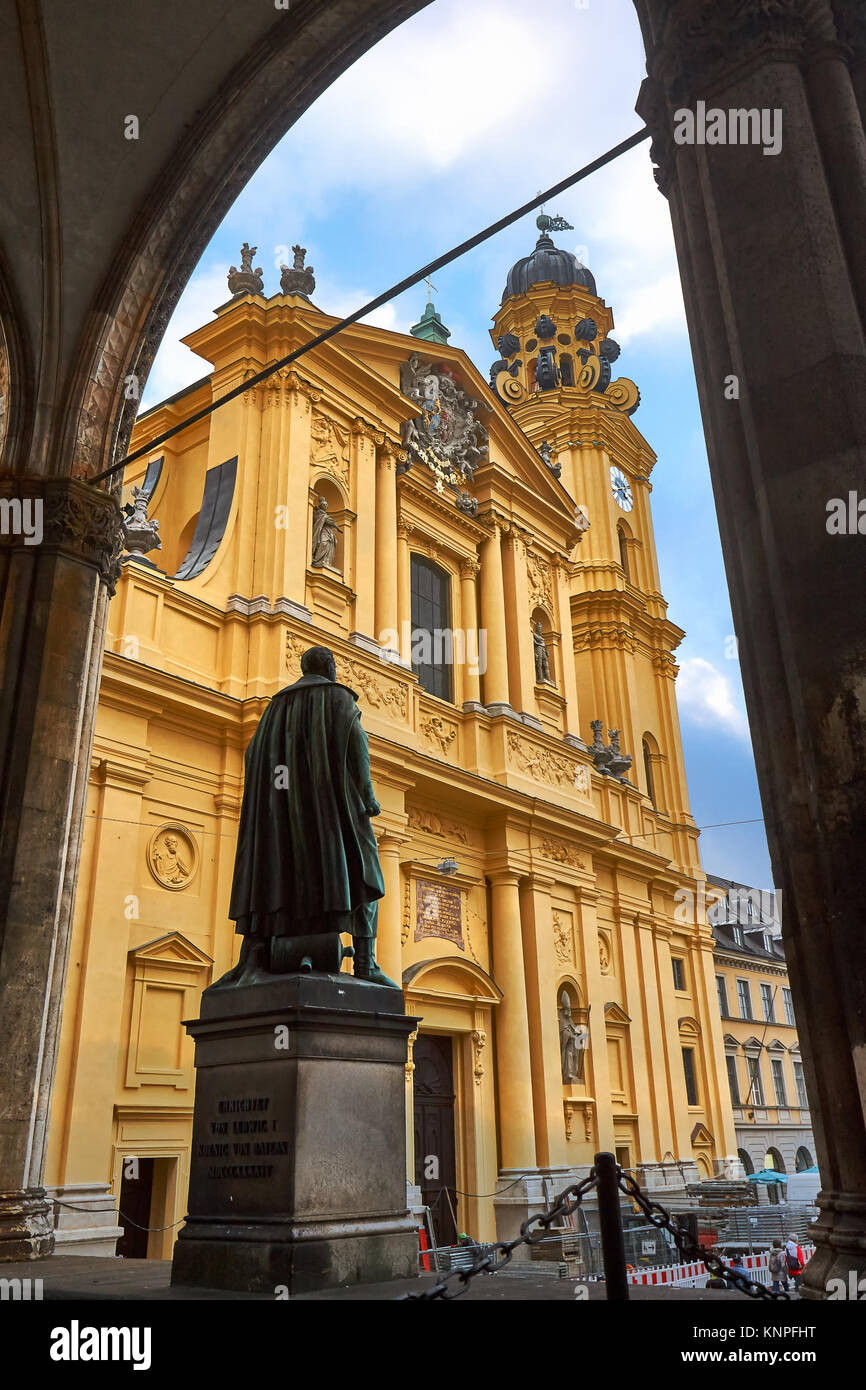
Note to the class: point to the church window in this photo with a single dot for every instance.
(431, 627)
(623, 551)
(648, 772)
(566, 368)
(691, 1078)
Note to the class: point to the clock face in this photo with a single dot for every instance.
(621, 489)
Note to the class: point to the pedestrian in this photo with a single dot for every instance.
(778, 1266)
(737, 1267)
(795, 1259)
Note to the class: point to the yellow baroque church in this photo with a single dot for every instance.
(480, 559)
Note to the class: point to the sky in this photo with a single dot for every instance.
(463, 113)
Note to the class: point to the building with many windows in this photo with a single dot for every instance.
(479, 555)
(761, 1051)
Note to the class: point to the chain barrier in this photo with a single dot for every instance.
(532, 1230)
(536, 1227)
(658, 1216)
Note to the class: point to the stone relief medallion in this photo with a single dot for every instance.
(438, 912)
(604, 953)
(445, 435)
(172, 857)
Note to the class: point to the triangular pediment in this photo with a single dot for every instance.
(701, 1135)
(172, 949)
(614, 1014)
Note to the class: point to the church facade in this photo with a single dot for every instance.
(479, 556)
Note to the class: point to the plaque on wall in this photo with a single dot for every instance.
(438, 912)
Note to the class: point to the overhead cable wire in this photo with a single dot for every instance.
(428, 270)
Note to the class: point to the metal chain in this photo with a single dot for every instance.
(532, 1230)
(658, 1216)
(536, 1227)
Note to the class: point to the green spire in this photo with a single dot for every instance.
(431, 327)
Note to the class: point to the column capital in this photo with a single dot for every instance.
(498, 878)
(469, 569)
(64, 516)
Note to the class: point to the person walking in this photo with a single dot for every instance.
(778, 1267)
(795, 1259)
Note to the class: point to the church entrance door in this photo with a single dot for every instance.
(435, 1163)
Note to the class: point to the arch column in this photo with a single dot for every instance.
(786, 441)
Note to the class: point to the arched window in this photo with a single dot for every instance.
(745, 1159)
(804, 1160)
(431, 627)
(623, 537)
(566, 368)
(775, 1161)
(648, 772)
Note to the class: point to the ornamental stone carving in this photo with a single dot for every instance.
(438, 734)
(172, 857)
(541, 763)
(299, 279)
(379, 694)
(70, 517)
(562, 853)
(246, 280)
(538, 574)
(432, 824)
(479, 1038)
(330, 447)
(141, 535)
(563, 937)
(445, 435)
(604, 953)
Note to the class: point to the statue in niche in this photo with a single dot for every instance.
(325, 532)
(542, 659)
(573, 1039)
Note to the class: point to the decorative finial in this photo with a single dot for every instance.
(546, 224)
(141, 535)
(300, 278)
(246, 280)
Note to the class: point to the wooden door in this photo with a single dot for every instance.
(435, 1161)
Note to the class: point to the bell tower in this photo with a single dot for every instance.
(555, 376)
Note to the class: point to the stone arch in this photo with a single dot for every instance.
(300, 54)
(803, 1159)
(747, 1161)
(778, 1163)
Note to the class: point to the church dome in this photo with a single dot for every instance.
(547, 262)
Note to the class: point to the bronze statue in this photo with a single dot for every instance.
(307, 864)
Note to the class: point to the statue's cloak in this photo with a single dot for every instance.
(307, 856)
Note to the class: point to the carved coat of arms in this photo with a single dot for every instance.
(445, 435)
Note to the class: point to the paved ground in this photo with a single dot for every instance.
(86, 1278)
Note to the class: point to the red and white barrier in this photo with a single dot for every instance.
(696, 1274)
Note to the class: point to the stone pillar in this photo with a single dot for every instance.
(521, 657)
(405, 531)
(781, 371)
(469, 611)
(386, 546)
(546, 1056)
(496, 693)
(562, 571)
(516, 1125)
(389, 949)
(364, 440)
(51, 634)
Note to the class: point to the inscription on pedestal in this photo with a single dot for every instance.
(241, 1138)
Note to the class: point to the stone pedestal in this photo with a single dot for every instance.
(298, 1175)
(85, 1219)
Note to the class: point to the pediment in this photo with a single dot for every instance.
(701, 1135)
(171, 949)
(614, 1014)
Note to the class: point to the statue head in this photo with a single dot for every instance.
(323, 504)
(319, 661)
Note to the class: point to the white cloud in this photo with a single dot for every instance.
(706, 696)
(177, 366)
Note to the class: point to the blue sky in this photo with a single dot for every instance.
(460, 115)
